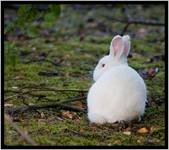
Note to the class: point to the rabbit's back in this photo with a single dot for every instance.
(119, 94)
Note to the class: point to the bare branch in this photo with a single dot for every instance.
(145, 22)
(58, 105)
(10, 97)
(25, 136)
(45, 89)
(25, 108)
(130, 21)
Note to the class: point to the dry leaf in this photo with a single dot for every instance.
(79, 104)
(93, 126)
(142, 130)
(142, 32)
(15, 87)
(138, 141)
(68, 114)
(42, 121)
(19, 77)
(145, 73)
(153, 129)
(78, 120)
(152, 71)
(127, 129)
(127, 132)
(42, 115)
(117, 142)
(81, 130)
(31, 104)
(8, 105)
(59, 118)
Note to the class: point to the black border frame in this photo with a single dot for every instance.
(3, 3)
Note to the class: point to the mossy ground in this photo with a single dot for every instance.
(77, 44)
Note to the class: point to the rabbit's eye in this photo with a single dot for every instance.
(103, 65)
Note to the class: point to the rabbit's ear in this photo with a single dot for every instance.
(126, 40)
(117, 46)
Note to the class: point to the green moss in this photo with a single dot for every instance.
(77, 57)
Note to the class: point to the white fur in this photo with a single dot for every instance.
(119, 92)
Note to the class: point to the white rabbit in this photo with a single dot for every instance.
(119, 92)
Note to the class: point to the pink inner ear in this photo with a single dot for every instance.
(126, 48)
(117, 45)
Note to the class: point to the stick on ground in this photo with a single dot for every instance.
(57, 105)
(25, 136)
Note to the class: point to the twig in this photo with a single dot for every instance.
(45, 89)
(128, 20)
(25, 136)
(146, 22)
(61, 102)
(152, 23)
(24, 108)
(40, 7)
(62, 90)
(9, 97)
(125, 28)
(21, 92)
(74, 99)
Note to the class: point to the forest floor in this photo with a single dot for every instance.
(64, 57)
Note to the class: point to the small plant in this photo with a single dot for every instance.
(28, 15)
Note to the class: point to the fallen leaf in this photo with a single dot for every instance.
(8, 105)
(67, 56)
(94, 126)
(33, 48)
(42, 121)
(152, 71)
(138, 141)
(15, 87)
(142, 32)
(127, 129)
(142, 130)
(152, 142)
(19, 77)
(59, 118)
(68, 114)
(78, 120)
(79, 104)
(134, 54)
(42, 115)
(153, 129)
(127, 132)
(117, 142)
(148, 73)
(31, 104)
(81, 130)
